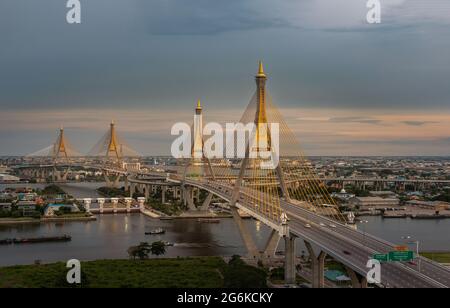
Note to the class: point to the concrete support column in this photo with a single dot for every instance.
(141, 202)
(107, 180)
(197, 195)
(132, 189)
(188, 198)
(207, 202)
(358, 281)
(101, 203)
(317, 266)
(252, 249)
(147, 192)
(128, 203)
(163, 194)
(271, 245)
(289, 263)
(114, 202)
(87, 204)
(126, 184)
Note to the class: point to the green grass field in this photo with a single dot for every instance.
(205, 272)
(441, 257)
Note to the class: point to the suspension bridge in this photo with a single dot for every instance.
(289, 198)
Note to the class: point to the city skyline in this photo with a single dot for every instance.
(345, 87)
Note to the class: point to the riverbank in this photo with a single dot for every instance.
(200, 272)
(28, 220)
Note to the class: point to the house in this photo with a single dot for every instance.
(5, 206)
(343, 195)
(374, 202)
(383, 194)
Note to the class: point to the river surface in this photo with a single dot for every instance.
(110, 236)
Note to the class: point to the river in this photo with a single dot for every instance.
(110, 236)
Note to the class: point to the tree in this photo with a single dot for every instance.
(141, 251)
(158, 248)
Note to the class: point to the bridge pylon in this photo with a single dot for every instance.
(197, 166)
(112, 150)
(270, 173)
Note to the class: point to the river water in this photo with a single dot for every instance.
(110, 236)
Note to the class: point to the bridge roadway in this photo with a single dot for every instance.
(351, 247)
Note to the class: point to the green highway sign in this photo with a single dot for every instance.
(401, 256)
(381, 257)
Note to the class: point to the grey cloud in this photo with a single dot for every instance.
(355, 120)
(418, 123)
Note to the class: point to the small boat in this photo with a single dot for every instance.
(64, 238)
(168, 243)
(209, 220)
(6, 241)
(156, 231)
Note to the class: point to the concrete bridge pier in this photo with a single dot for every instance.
(271, 245)
(163, 194)
(289, 263)
(132, 189)
(126, 183)
(147, 192)
(114, 183)
(358, 281)
(207, 202)
(252, 249)
(317, 266)
(141, 188)
(189, 200)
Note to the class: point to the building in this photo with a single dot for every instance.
(343, 195)
(429, 205)
(374, 202)
(383, 194)
(7, 178)
(5, 206)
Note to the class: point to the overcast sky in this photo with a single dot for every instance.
(345, 87)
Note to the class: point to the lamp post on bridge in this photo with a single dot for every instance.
(363, 223)
(410, 240)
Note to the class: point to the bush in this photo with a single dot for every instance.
(240, 275)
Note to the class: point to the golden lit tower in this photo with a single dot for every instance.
(114, 146)
(60, 146)
(262, 133)
(197, 148)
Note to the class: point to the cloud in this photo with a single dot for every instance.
(418, 123)
(362, 120)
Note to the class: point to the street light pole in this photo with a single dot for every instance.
(417, 242)
(364, 222)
